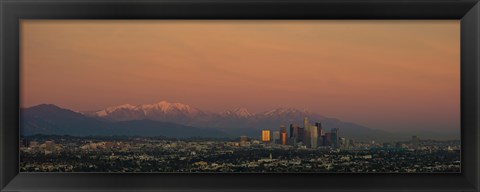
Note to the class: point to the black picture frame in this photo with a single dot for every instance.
(12, 11)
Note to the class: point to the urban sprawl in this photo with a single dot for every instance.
(304, 149)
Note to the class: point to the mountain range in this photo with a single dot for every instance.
(53, 120)
(178, 120)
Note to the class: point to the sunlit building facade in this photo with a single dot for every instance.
(283, 138)
(307, 135)
(283, 135)
(313, 137)
(266, 135)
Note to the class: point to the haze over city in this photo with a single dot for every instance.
(390, 75)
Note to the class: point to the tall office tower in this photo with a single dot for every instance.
(307, 137)
(334, 137)
(306, 124)
(313, 137)
(293, 131)
(319, 129)
(276, 137)
(301, 133)
(266, 136)
(327, 139)
(283, 131)
(306, 132)
(294, 134)
(283, 138)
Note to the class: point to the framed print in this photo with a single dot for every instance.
(283, 93)
(239, 95)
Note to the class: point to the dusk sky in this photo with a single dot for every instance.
(391, 75)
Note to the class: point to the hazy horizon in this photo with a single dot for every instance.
(389, 75)
(440, 135)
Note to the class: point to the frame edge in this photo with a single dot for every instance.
(472, 18)
(470, 50)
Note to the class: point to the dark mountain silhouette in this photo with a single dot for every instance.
(51, 119)
(182, 121)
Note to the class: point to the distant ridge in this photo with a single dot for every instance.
(181, 120)
(51, 119)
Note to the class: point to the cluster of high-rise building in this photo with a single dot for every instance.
(310, 136)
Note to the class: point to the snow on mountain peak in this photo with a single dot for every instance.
(166, 107)
(239, 112)
(282, 110)
(163, 107)
(242, 112)
(111, 109)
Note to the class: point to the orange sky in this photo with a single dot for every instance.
(383, 74)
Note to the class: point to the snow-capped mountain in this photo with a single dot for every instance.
(289, 114)
(237, 113)
(283, 111)
(124, 112)
(166, 107)
(110, 110)
(187, 115)
(158, 111)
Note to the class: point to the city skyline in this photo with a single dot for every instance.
(43, 153)
(388, 75)
(304, 149)
(179, 120)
